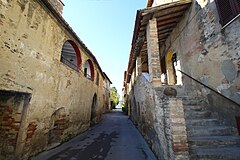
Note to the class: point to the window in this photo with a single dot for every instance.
(227, 10)
(89, 70)
(70, 55)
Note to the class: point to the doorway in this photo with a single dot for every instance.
(93, 110)
(171, 72)
(13, 112)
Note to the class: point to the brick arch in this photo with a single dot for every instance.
(70, 55)
(89, 69)
(58, 125)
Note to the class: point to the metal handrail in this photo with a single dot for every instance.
(74, 67)
(208, 87)
(69, 63)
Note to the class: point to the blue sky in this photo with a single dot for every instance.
(106, 28)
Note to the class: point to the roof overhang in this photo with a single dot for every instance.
(167, 16)
(105, 76)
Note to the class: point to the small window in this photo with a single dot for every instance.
(227, 10)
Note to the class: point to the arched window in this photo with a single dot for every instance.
(89, 70)
(71, 55)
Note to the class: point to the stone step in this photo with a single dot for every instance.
(193, 101)
(197, 131)
(194, 108)
(226, 153)
(213, 141)
(198, 114)
(203, 122)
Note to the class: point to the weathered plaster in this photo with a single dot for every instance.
(31, 41)
(206, 51)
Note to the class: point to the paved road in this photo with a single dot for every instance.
(115, 138)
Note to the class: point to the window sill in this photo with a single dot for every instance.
(88, 78)
(230, 21)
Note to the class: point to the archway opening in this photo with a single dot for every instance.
(170, 69)
(93, 110)
(70, 55)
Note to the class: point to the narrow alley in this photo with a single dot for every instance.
(114, 138)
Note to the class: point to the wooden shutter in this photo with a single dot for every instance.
(225, 10)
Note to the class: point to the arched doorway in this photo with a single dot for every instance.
(93, 110)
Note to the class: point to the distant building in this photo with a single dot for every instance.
(106, 94)
(182, 84)
(51, 85)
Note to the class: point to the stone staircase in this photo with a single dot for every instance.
(208, 137)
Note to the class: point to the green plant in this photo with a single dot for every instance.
(67, 138)
(124, 109)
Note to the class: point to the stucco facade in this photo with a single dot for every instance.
(184, 57)
(61, 101)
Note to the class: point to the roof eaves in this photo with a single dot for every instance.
(105, 75)
(131, 56)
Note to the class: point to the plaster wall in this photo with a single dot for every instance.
(206, 51)
(31, 41)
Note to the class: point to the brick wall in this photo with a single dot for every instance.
(160, 118)
(153, 53)
(59, 124)
(12, 105)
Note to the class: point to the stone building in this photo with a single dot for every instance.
(182, 84)
(106, 94)
(51, 85)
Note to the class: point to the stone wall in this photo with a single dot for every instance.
(206, 51)
(31, 41)
(160, 119)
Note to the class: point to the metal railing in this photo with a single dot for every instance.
(208, 87)
(75, 67)
(69, 64)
